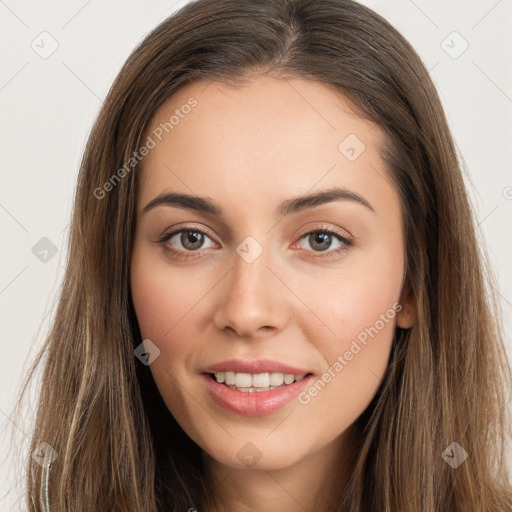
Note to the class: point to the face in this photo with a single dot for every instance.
(249, 269)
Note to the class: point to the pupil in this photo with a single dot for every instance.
(321, 238)
(191, 239)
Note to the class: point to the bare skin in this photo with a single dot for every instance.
(303, 300)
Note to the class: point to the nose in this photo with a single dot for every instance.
(252, 300)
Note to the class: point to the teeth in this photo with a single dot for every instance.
(251, 390)
(276, 379)
(255, 382)
(259, 380)
(243, 380)
(288, 379)
(229, 378)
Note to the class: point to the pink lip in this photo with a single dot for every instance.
(257, 403)
(256, 366)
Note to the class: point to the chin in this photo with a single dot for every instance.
(246, 452)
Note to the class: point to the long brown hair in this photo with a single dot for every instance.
(118, 447)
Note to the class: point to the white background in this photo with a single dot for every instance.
(48, 105)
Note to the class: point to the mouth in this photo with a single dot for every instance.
(255, 383)
(254, 394)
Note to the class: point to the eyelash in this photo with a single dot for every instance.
(186, 255)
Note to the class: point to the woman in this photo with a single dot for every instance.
(274, 296)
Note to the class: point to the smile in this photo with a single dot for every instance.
(256, 394)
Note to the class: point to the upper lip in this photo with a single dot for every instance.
(254, 367)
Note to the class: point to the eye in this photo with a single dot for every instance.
(322, 240)
(185, 239)
(187, 242)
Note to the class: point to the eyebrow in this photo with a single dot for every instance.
(293, 205)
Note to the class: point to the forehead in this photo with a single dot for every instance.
(268, 139)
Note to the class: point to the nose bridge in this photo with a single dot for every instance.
(252, 296)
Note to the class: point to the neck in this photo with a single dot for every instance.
(310, 484)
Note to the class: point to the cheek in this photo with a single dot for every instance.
(150, 303)
(162, 296)
(358, 326)
(361, 296)
(358, 309)
(157, 306)
(170, 313)
(355, 356)
(367, 309)
(161, 302)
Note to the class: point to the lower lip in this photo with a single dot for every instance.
(257, 403)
